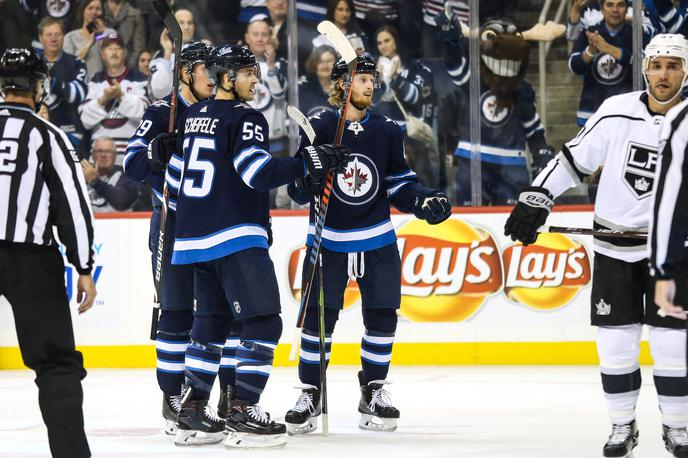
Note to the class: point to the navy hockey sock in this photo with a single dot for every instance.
(255, 355)
(202, 363)
(309, 360)
(171, 342)
(228, 362)
(377, 342)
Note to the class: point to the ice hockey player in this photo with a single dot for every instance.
(359, 242)
(222, 230)
(623, 137)
(176, 301)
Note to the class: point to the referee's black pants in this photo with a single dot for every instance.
(32, 280)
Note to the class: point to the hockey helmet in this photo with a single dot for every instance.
(364, 64)
(667, 45)
(194, 52)
(20, 68)
(228, 59)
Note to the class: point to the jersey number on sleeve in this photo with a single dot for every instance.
(144, 126)
(252, 131)
(8, 154)
(198, 187)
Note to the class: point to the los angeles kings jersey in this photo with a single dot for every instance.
(623, 138)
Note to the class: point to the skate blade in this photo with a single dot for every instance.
(294, 429)
(248, 440)
(190, 438)
(373, 423)
(170, 429)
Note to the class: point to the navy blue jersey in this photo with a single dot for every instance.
(68, 88)
(604, 76)
(312, 98)
(155, 121)
(358, 218)
(223, 204)
(414, 88)
(503, 133)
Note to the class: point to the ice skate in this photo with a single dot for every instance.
(249, 426)
(223, 403)
(196, 423)
(303, 417)
(675, 441)
(622, 441)
(170, 409)
(375, 406)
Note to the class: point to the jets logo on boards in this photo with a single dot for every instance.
(492, 115)
(359, 183)
(639, 169)
(607, 70)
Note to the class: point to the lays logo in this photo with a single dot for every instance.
(546, 274)
(447, 271)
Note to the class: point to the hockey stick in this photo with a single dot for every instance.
(593, 232)
(301, 119)
(163, 9)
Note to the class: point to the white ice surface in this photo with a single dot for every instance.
(468, 411)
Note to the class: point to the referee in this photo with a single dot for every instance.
(669, 221)
(41, 186)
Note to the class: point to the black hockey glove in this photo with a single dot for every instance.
(433, 206)
(531, 211)
(302, 190)
(448, 30)
(541, 158)
(322, 159)
(160, 151)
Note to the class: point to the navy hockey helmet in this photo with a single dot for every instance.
(20, 68)
(364, 64)
(228, 59)
(194, 52)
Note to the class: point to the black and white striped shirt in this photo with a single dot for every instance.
(669, 221)
(41, 186)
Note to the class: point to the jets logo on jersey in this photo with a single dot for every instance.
(359, 183)
(492, 115)
(262, 100)
(639, 169)
(607, 70)
(57, 8)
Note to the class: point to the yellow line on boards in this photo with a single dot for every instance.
(404, 354)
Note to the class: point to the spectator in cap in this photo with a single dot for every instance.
(128, 23)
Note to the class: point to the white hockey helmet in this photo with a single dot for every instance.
(667, 45)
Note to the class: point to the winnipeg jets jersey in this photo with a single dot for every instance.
(358, 218)
(623, 138)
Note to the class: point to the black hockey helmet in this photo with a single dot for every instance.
(228, 59)
(20, 68)
(194, 52)
(364, 64)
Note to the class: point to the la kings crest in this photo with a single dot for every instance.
(639, 169)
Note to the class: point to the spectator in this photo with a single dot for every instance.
(68, 80)
(63, 10)
(373, 14)
(409, 98)
(116, 97)
(249, 8)
(314, 87)
(110, 190)
(185, 18)
(82, 42)
(128, 23)
(277, 10)
(602, 56)
(143, 62)
(343, 14)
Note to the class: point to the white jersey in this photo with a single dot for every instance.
(623, 138)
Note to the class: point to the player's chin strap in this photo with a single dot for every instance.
(666, 102)
(356, 265)
(190, 67)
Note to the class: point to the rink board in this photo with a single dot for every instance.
(469, 295)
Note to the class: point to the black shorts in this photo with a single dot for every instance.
(242, 284)
(380, 285)
(623, 293)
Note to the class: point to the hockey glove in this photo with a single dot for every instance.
(160, 151)
(541, 158)
(531, 211)
(302, 190)
(433, 206)
(448, 30)
(322, 159)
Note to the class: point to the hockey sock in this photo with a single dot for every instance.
(202, 363)
(171, 342)
(255, 355)
(377, 342)
(228, 362)
(618, 348)
(309, 360)
(668, 348)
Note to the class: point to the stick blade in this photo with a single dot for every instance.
(301, 119)
(340, 42)
(167, 15)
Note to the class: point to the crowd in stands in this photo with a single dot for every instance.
(110, 59)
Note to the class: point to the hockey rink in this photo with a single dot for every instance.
(456, 411)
